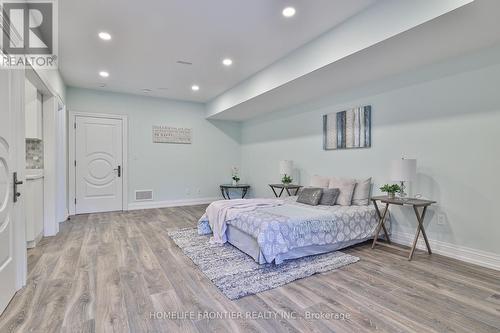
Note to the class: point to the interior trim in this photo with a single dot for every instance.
(170, 203)
(71, 155)
(473, 256)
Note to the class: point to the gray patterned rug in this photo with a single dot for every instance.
(237, 274)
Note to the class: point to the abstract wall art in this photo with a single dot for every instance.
(348, 129)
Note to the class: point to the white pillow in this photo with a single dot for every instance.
(346, 188)
(318, 181)
(361, 196)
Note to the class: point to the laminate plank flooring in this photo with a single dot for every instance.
(120, 272)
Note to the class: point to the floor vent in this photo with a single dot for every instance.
(143, 195)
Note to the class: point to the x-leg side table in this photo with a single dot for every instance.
(416, 204)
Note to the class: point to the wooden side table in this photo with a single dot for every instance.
(283, 187)
(416, 204)
(224, 189)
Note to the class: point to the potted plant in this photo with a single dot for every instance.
(235, 177)
(286, 180)
(391, 190)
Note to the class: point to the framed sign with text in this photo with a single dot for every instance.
(166, 134)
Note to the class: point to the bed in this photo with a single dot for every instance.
(294, 230)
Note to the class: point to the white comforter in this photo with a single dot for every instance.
(220, 212)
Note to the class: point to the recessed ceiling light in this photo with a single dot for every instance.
(103, 74)
(103, 85)
(146, 90)
(195, 88)
(288, 12)
(227, 62)
(104, 35)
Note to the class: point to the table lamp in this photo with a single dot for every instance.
(403, 170)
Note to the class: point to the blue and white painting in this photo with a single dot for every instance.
(348, 129)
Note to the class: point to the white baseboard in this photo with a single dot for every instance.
(65, 218)
(478, 257)
(170, 203)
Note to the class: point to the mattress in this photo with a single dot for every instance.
(249, 245)
(295, 230)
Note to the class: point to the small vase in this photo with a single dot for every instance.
(235, 182)
(391, 195)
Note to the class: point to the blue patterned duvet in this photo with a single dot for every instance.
(295, 225)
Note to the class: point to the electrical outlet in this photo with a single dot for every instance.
(441, 219)
(188, 191)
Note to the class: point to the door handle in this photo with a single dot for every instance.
(16, 183)
(119, 170)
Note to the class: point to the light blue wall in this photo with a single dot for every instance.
(448, 120)
(174, 172)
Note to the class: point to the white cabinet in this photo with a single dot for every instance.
(34, 207)
(33, 112)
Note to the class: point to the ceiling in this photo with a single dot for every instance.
(460, 34)
(150, 36)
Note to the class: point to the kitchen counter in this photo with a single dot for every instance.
(33, 174)
(33, 195)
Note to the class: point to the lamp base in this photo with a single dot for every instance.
(402, 194)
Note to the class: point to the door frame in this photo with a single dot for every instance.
(52, 106)
(71, 155)
(19, 139)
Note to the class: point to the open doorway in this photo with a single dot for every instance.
(46, 156)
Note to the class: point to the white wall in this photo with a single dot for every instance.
(53, 81)
(175, 172)
(52, 167)
(62, 164)
(450, 125)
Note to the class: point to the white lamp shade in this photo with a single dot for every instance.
(286, 168)
(404, 170)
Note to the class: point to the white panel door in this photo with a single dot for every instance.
(99, 153)
(7, 158)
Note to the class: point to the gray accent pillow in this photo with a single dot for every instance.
(310, 196)
(329, 196)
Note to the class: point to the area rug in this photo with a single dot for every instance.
(237, 275)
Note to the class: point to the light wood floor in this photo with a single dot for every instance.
(111, 272)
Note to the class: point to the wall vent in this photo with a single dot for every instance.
(182, 62)
(143, 195)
